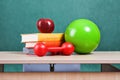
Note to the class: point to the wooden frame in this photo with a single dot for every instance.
(13, 57)
(61, 76)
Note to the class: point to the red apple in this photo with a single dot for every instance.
(45, 25)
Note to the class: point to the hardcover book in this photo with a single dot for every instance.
(47, 44)
(35, 37)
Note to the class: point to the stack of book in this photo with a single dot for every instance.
(50, 40)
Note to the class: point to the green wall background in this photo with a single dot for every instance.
(20, 16)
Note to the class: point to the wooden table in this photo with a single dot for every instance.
(98, 57)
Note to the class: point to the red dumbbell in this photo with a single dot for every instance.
(40, 49)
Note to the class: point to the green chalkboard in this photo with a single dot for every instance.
(20, 16)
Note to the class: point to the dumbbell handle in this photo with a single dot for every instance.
(55, 49)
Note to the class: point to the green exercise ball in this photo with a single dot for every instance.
(84, 35)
